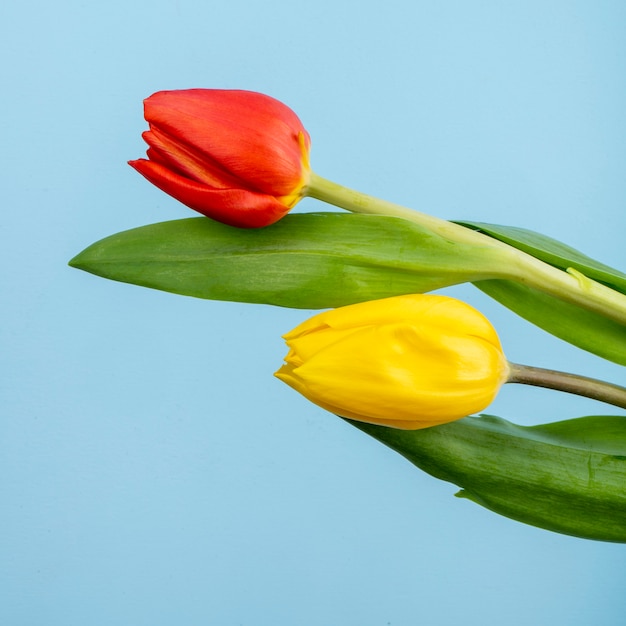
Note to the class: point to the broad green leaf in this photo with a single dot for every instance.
(308, 260)
(568, 477)
(553, 252)
(582, 328)
(325, 260)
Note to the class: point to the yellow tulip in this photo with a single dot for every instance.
(407, 362)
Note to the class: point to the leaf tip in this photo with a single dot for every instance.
(78, 261)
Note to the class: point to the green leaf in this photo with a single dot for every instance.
(584, 329)
(324, 260)
(568, 477)
(308, 260)
(553, 252)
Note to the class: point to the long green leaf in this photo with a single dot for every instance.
(325, 260)
(568, 477)
(305, 261)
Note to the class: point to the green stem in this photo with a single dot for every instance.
(570, 286)
(570, 383)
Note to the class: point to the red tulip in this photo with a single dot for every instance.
(238, 157)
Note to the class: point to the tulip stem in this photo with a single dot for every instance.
(570, 286)
(357, 202)
(569, 383)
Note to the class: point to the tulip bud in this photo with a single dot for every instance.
(238, 157)
(408, 362)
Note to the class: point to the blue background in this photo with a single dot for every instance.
(152, 471)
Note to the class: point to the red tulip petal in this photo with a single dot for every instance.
(251, 135)
(235, 207)
(188, 161)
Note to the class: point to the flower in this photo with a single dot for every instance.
(238, 157)
(408, 362)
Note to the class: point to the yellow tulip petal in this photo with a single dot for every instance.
(407, 362)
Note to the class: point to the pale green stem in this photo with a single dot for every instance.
(570, 286)
(570, 383)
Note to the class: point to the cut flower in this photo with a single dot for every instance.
(239, 157)
(408, 362)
